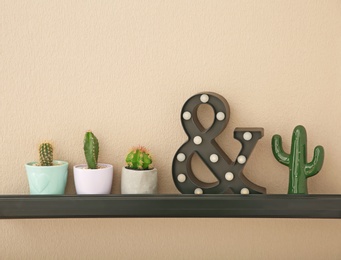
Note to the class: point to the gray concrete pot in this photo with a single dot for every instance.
(138, 181)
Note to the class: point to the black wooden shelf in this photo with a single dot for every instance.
(154, 206)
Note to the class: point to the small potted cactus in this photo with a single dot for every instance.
(93, 177)
(47, 176)
(139, 176)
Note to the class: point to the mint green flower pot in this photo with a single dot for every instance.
(47, 179)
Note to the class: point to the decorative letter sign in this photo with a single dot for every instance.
(201, 141)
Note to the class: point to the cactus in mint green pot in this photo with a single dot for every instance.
(47, 176)
(91, 149)
(46, 154)
(299, 168)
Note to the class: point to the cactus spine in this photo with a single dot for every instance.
(46, 154)
(299, 169)
(91, 149)
(139, 159)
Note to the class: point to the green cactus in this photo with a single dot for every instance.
(46, 154)
(91, 149)
(300, 170)
(139, 159)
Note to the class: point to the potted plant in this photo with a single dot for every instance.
(93, 177)
(139, 176)
(47, 176)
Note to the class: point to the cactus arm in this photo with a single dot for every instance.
(315, 165)
(147, 161)
(91, 150)
(132, 160)
(277, 150)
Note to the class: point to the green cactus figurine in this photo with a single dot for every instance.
(300, 170)
(139, 159)
(46, 154)
(91, 149)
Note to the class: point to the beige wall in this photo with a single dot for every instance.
(124, 69)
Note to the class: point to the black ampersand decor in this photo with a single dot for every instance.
(201, 141)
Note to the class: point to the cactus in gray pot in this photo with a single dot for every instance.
(139, 159)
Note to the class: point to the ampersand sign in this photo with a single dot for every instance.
(201, 141)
